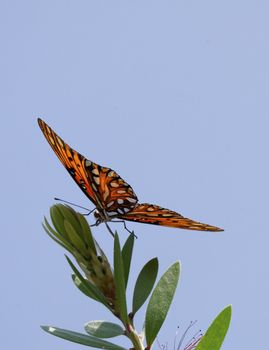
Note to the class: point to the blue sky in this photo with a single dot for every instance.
(173, 95)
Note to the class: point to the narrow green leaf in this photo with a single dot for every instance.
(71, 216)
(216, 333)
(80, 338)
(81, 286)
(144, 284)
(51, 229)
(58, 235)
(103, 329)
(120, 281)
(57, 219)
(61, 241)
(74, 237)
(92, 290)
(127, 252)
(160, 302)
(87, 233)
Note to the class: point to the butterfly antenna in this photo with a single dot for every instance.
(73, 204)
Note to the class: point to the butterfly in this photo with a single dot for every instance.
(112, 196)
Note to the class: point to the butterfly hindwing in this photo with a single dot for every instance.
(155, 215)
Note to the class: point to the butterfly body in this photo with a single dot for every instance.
(112, 196)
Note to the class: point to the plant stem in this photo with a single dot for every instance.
(135, 339)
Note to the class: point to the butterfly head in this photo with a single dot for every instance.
(98, 217)
(103, 216)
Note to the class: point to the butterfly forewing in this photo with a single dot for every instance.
(155, 215)
(73, 161)
(103, 186)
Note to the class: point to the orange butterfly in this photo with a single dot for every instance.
(111, 195)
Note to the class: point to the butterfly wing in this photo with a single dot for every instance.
(103, 186)
(110, 193)
(118, 197)
(155, 215)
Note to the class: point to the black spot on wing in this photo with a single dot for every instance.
(71, 171)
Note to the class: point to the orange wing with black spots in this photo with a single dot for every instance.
(103, 186)
(111, 195)
(155, 215)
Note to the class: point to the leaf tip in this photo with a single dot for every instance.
(48, 329)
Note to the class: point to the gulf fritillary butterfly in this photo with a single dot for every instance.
(111, 195)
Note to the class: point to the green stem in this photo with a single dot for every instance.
(135, 339)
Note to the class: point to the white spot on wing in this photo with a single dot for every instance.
(121, 191)
(112, 213)
(52, 141)
(114, 184)
(120, 211)
(150, 209)
(88, 162)
(106, 194)
(97, 180)
(111, 173)
(95, 171)
(110, 203)
(131, 200)
(120, 201)
(60, 141)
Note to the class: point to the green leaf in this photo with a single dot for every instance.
(216, 333)
(74, 237)
(127, 252)
(160, 302)
(87, 233)
(81, 286)
(144, 284)
(89, 287)
(56, 237)
(71, 216)
(53, 232)
(80, 338)
(120, 281)
(103, 329)
(57, 220)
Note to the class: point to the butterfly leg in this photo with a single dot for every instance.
(109, 230)
(125, 226)
(98, 222)
(90, 211)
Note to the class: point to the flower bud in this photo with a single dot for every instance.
(71, 230)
